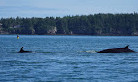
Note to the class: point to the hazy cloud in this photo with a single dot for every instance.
(41, 8)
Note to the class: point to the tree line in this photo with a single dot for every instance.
(97, 24)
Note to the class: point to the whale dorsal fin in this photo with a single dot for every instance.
(127, 46)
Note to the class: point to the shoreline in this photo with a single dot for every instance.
(69, 35)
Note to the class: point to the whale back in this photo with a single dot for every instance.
(117, 50)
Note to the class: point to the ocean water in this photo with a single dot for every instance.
(67, 59)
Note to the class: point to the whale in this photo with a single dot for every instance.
(117, 50)
(23, 51)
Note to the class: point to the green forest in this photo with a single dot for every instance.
(94, 24)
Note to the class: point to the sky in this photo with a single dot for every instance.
(60, 8)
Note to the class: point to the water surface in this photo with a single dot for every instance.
(67, 59)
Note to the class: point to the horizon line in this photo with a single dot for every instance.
(67, 15)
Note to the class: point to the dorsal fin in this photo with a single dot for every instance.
(127, 46)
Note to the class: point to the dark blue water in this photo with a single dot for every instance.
(67, 59)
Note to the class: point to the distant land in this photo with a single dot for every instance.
(97, 24)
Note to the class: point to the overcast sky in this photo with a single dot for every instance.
(44, 8)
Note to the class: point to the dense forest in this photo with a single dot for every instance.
(97, 24)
